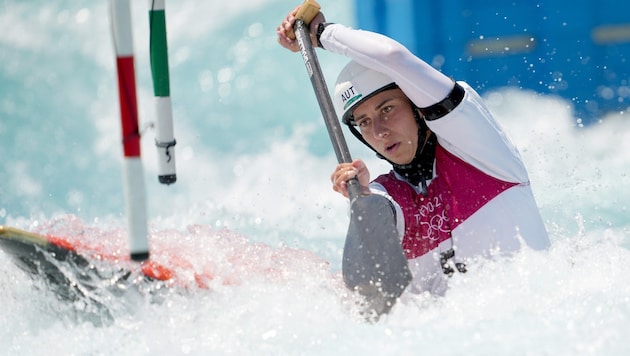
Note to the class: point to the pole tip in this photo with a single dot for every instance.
(140, 256)
(168, 178)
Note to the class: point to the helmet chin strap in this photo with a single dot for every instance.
(420, 169)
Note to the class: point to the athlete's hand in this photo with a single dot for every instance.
(346, 171)
(286, 27)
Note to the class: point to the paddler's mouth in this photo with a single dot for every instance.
(391, 148)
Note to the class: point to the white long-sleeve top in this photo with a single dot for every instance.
(480, 201)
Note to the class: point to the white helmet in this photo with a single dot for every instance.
(354, 84)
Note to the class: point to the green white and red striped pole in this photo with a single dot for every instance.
(135, 199)
(164, 138)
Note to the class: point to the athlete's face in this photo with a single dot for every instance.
(387, 123)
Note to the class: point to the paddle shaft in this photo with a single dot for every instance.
(325, 103)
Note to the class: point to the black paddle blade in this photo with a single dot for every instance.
(374, 263)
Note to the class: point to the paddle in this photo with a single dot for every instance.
(374, 263)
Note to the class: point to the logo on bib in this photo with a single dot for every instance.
(433, 218)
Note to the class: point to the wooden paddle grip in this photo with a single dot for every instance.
(306, 13)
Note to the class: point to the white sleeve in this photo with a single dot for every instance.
(469, 132)
(423, 84)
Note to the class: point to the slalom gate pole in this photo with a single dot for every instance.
(164, 137)
(134, 188)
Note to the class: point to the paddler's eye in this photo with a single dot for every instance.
(364, 122)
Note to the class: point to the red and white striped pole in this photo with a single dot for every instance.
(135, 199)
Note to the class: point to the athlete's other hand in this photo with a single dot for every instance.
(346, 171)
